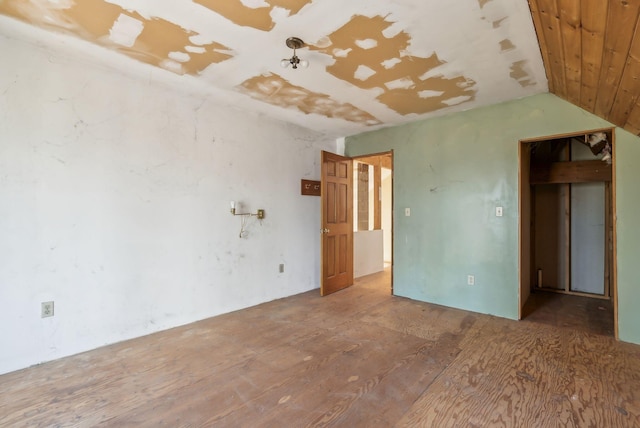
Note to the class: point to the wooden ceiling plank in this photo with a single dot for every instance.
(594, 22)
(553, 37)
(633, 121)
(621, 22)
(570, 27)
(544, 51)
(629, 87)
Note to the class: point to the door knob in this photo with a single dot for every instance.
(324, 230)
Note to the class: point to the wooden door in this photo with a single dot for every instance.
(337, 223)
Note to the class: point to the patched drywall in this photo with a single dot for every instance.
(519, 74)
(152, 40)
(114, 204)
(372, 64)
(453, 171)
(368, 58)
(275, 90)
(254, 14)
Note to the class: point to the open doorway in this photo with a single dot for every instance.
(567, 231)
(373, 217)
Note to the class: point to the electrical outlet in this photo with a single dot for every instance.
(471, 280)
(46, 309)
(281, 268)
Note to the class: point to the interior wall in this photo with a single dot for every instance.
(454, 170)
(627, 238)
(114, 204)
(367, 252)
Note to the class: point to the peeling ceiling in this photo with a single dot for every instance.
(372, 64)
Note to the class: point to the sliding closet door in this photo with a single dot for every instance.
(587, 237)
(587, 231)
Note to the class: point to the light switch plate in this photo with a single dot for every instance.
(498, 211)
(407, 212)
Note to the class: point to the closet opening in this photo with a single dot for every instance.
(567, 229)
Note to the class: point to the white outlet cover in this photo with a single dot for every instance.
(46, 309)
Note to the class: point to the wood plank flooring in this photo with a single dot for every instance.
(358, 358)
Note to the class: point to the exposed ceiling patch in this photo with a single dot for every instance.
(275, 90)
(160, 38)
(155, 41)
(398, 74)
(506, 45)
(90, 19)
(407, 101)
(256, 14)
(498, 23)
(519, 74)
(398, 60)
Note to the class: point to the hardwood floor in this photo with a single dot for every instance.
(580, 313)
(360, 357)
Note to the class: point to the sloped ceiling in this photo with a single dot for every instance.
(372, 64)
(591, 51)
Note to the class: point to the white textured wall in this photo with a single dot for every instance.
(114, 204)
(368, 252)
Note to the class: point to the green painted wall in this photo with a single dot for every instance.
(628, 237)
(453, 171)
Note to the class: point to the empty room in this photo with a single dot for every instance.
(289, 213)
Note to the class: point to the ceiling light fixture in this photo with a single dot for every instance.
(294, 43)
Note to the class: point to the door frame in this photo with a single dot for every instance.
(524, 226)
(390, 153)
